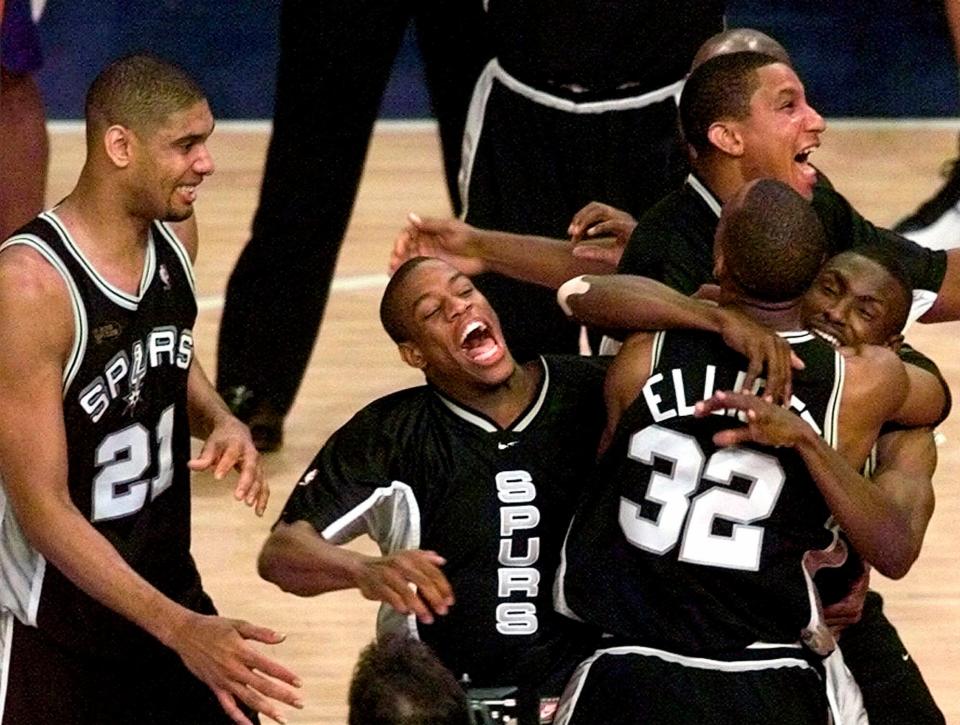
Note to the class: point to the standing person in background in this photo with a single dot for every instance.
(99, 395)
(25, 148)
(335, 60)
(936, 222)
(578, 104)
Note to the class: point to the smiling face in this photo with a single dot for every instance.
(855, 300)
(780, 131)
(170, 161)
(453, 334)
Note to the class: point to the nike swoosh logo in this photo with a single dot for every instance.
(504, 446)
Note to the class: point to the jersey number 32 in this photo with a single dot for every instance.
(690, 518)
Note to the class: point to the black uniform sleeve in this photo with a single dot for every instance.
(347, 487)
(847, 229)
(643, 255)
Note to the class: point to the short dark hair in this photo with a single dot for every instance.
(398, 680)
(772, 241)
(391, 318)
(886, 258)
(719, 88)
(139, 92)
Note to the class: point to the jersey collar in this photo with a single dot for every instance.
(704, 193)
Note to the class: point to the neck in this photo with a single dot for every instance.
(97, 214)
(721, 176)
(777, 316)
(502, 402)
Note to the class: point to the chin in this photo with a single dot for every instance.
(174, 215)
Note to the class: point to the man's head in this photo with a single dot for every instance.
(860, 296)
(769, 244)
(444, 326)
(746, 116)
(399, 681)
(738, 40)
(147, 126)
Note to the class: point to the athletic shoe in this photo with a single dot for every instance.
(936, 222)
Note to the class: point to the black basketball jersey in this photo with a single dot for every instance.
(128, 442)
(693, 548)
(417, 470)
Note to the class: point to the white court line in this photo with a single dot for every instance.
(357, 283)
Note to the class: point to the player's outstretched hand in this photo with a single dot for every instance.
(217, 651)
(766, 423)
(849, 610)
(450, 239)
(229, 446)
(389, 578)
(765, 350)
(602, 220)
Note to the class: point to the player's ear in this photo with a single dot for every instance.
(411, 355)
(726, 136)
(117, 143)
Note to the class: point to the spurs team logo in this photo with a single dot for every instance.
(518, 554)
(123, 376)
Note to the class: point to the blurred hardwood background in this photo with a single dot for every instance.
(884, 169)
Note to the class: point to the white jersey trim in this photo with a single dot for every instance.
(80, 325)
(699, 187)
(495, 72)
(181, 252)
(6, 647)
(391, 517)
(571, 694)
(114, 294)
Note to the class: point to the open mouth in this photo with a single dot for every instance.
(478, 342)
(829, 337)
(804, 156)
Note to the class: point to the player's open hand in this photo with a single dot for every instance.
(449, 239)
(410, 581)
(765, 350)
(766, 423)
(229, 446)
(217, 651)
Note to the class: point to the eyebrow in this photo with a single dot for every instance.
(192, 137)
(455, 277)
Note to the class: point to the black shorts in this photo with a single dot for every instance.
(629, 685)
(43, 683)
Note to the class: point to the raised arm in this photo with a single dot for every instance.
(629, 302)
(878, 527)
(299, 560)
(539, 260)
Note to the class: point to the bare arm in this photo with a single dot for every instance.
(877, 524)
(629, 302)
(539, 260)
(625, 380)
(298, 560)
(36, 327)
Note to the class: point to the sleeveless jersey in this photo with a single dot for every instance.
(128, 442)
(693, 548)
(417, 470)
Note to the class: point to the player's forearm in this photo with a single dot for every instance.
(540, 260)
(628, 302)
(67, 541)
(298, 560)
(876, 525)
(205, 407)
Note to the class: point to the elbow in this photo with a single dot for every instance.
(896, 564)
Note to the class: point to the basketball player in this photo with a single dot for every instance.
(467, 484)
(689, 553)
(104, 620)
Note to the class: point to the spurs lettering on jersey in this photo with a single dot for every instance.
(123, 376)
(518, 554)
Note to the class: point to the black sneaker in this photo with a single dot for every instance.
(936, 222)
(265, 421)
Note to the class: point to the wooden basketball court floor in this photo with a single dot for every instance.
(883, 168)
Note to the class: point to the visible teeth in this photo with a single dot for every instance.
(829, 338)
(471, 328)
